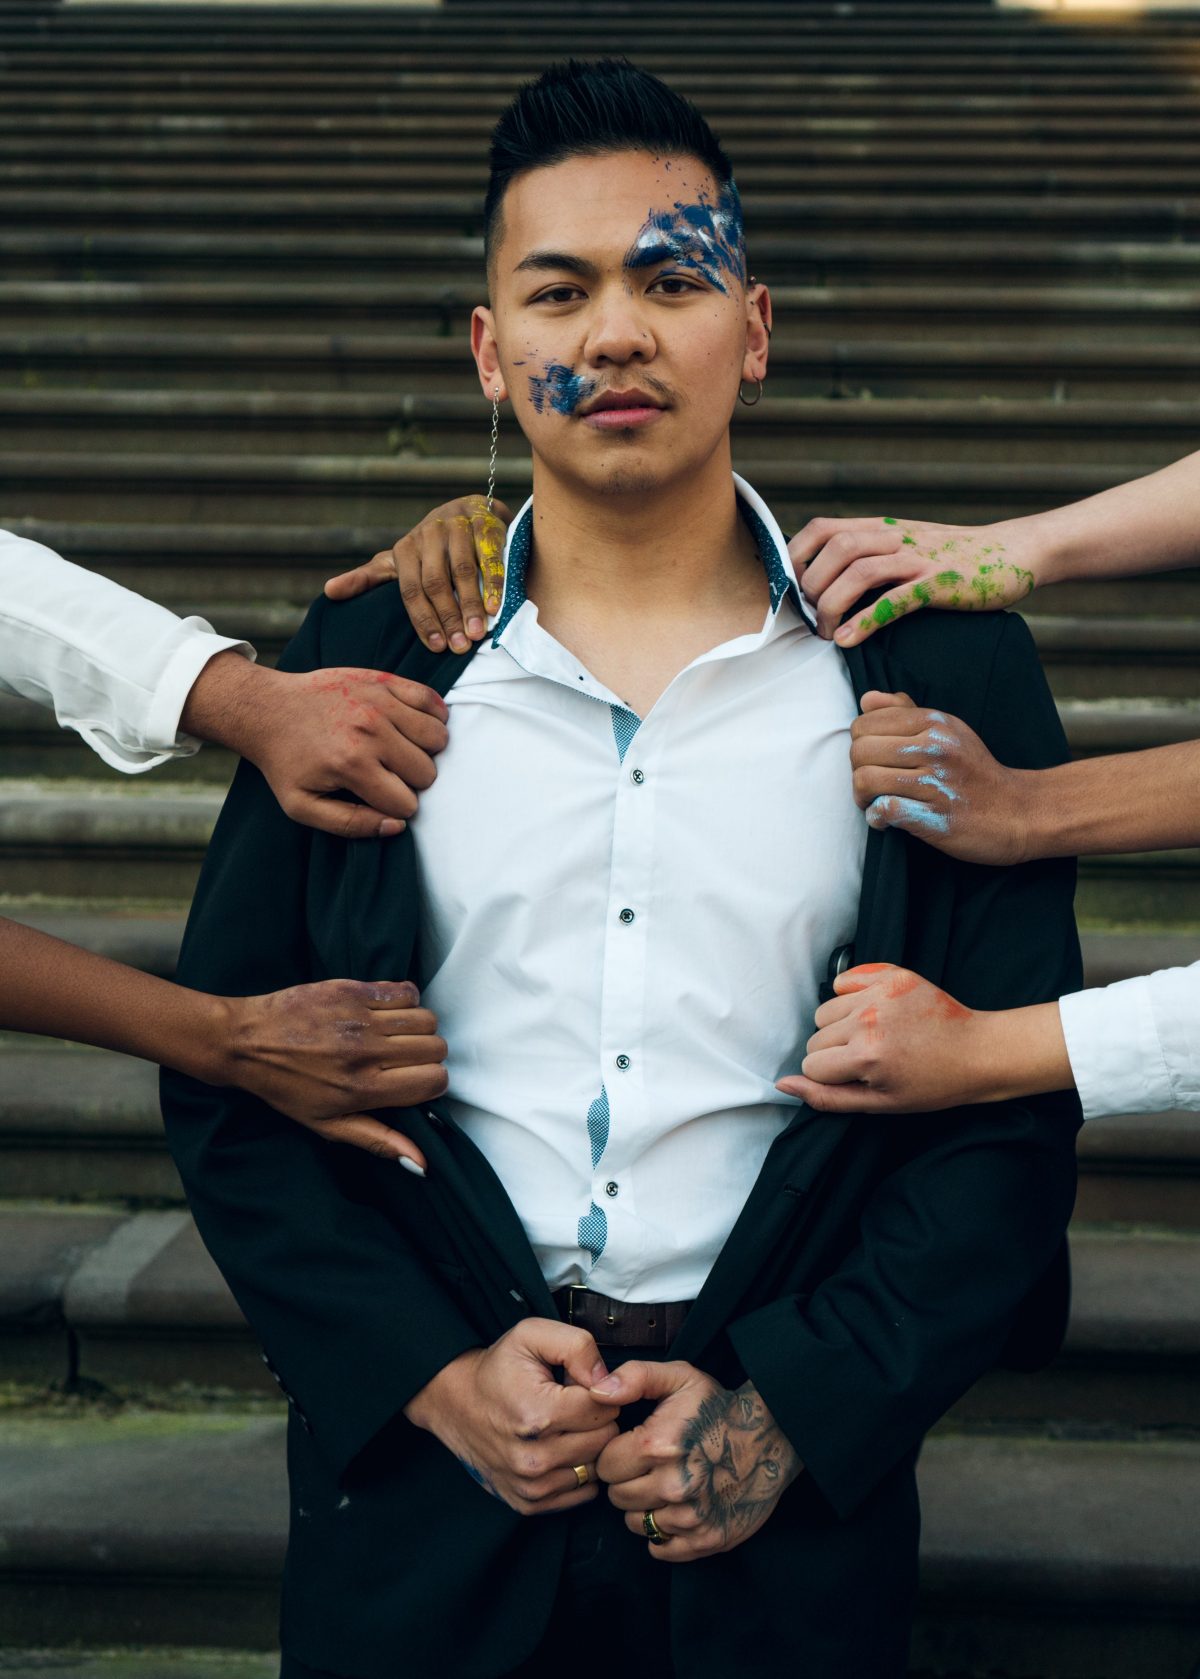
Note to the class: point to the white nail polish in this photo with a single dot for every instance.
(411, 1166)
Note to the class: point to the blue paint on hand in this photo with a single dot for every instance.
(938, 780)
(561, 388)
(703, 238)
(911, 814)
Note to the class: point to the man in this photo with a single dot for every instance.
(620, 897)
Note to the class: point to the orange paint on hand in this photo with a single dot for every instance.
(949, 1008)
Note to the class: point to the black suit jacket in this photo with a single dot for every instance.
(876, 1270)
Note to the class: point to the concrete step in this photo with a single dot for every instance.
(132, 1301)
(123, 144)
(226, 488)
(1023, 102)
(217, 212)
(1132, 1351)
(383, 425)
(700, 69)
(1064, 1558)
(82, 1126)
(1154, 177)
(84, 838)
(137, 1664)
(754, 129)
(1062, 370)
(312, 53)
(1132, 314)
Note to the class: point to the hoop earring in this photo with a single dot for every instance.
(491, 487)
(758, 396)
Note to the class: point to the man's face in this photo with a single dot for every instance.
(621, 321)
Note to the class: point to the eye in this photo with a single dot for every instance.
(558, 294)
(673, 285)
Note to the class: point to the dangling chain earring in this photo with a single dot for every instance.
(758, 396)
(491, 489)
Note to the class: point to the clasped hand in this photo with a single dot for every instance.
(709, 1462)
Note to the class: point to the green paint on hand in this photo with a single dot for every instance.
(923, 593)
(884, 612)
(944, 579)
(909, 542)
(889, 521)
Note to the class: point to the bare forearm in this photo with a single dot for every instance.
(61, 991)
(1137, 801)
(227, 700)
(1148, 524)
(1018, 1052)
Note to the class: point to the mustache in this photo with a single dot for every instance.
(642, 382)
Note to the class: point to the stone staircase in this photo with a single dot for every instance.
(238, 248)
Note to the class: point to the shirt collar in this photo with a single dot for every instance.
(772, 551)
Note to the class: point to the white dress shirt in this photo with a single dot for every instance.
(1135, 1046)
(626, 921)
(114, 666)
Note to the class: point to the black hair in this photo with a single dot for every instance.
(582, 109)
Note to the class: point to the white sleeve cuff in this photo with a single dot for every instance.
(1175, 1002)
(160, 738)
(1114, 1050)
(195, 649)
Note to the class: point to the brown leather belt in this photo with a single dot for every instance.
(621, 1323)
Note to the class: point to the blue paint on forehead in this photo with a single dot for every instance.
(701, 238)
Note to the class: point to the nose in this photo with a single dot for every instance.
(618, 332)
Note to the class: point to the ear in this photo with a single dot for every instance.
(759, 320)
(487, 352)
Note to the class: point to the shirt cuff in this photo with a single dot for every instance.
(197, 646)
(1114, 1050)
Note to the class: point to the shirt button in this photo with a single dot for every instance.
(623, 1063)
(637, 777)
(627, 916)
(612, 1188)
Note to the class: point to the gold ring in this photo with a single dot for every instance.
(651, 1529)
(582, 1473)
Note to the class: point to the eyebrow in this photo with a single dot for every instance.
(542, 261)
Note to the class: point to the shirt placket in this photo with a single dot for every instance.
(624, 1068)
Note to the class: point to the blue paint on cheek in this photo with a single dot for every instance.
(561, 388)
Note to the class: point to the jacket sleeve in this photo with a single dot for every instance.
(352, 1315)
(968, 1221)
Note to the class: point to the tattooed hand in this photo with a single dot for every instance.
(710, 1463)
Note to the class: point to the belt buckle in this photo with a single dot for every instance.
(572, 1290)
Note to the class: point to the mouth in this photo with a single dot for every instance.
(623, 409)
